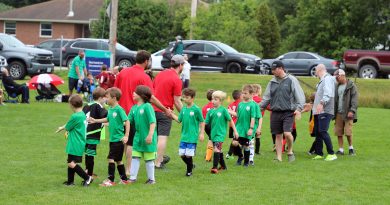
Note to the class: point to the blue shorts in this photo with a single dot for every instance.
(187, 149)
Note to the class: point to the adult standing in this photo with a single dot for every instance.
(167, 86)
(286, 99)
(323, 111)
(185, 75)
(178, 47)
(77, 71)
(127, 81)
(346, 103)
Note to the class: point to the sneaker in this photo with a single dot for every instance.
(340, 153)
(214, 171)
(125, 182)
(188, 174)
(107, 183)
(246, 165)
(277, 160)
(352, 152)
(311, 153)
(318, 157)
(166, 159)
(87, 182)
(331, 157)
(252, 163)
(257, 153)
(221, 168)
(291, 157)
(149, 181)
(239, 161)
(229, 156)
(66, 183)
(162, 166)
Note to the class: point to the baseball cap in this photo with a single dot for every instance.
(177, 59)
(339, 72)
(277, 64)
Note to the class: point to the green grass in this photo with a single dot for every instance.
(34, 162)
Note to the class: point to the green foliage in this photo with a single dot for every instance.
(4, 7)
(268, 31)
(21, 3)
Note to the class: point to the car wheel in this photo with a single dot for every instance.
(234, 67)
(17, 70)
(368, 72)
(69, 62)
(124, 63)
(312, 71)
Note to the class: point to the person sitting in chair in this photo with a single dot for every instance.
(13, 88)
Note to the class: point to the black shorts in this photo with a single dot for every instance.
(207, 129)
(72, 83)
(282, 121)
(243, 141)
(116, 151)
(131, 135)
(164, 124)
(74, 158)
(90, 149)
(231, 132)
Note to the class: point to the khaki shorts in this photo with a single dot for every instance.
(342, 127)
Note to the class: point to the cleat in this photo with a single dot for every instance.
(331, 157)
(107, 183)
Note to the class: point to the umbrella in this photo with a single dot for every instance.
(44, 79)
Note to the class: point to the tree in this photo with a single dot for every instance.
(21, 3)
(268, 31)
(4, 7)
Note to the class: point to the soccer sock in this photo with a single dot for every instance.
(70, 175)
(81, 172)
(209, 153)
(257, 148)
(251, 150)
(246, 155)
(341, 149)
(89, 164)
(185, 159)
(111, 171)
(135, 162)
(222, 160)
(231, 149)
(190, 164)
(122, 171)
(351, 147)
(239, 152)
(216, 160)
(149, 169)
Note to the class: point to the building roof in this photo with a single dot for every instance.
(56, 11)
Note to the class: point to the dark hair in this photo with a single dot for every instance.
(114, 93)
(142, 56)
(104, 67)
(236, 94)
(76, 101)
(144, 92)
(189, 92)
(98, 92)
(248, 87)
(209, 94)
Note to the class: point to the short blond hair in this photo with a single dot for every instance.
(257, 88)
(219, 94)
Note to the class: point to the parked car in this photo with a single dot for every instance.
(214, 56)
(123, 56)
(54, 46)
(368, 64)
(302, 63)
(23, 60)
(156, 60)
(3, 62)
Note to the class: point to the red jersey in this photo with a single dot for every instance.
(127, 81)
(167, 84)
(206, 108)
(258, 99)
(234, 106)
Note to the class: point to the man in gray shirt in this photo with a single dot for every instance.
(323, 111)
(286, 99)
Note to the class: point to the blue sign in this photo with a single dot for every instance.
(95, 59)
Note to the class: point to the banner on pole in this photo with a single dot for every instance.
(95, 59)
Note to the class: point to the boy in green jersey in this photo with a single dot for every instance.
(95, 110)
(76, 128)
(192, 128)
(145, 139)
(218, 118)
(116, 117)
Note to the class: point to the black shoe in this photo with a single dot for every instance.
(246, 165)
(166, 159)
(352, 152)
(188, 174)
(87, 182)
(66, 183)
(258, 153)
(339, 153)
(162, 166)
(239, 161)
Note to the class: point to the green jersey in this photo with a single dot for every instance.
(142, 116)
(77, 62)
(77, 128)
(116, 118)
(218, 118)
(257, 117)
(190, 117)
(245, 112)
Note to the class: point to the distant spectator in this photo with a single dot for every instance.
(77, 71)
(185, 75)
(178, 47)
(13, 88)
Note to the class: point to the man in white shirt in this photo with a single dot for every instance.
(185, 75)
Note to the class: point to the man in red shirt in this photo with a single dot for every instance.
(167, 87)
(127, 81)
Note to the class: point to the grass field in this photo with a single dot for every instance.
(33, 162)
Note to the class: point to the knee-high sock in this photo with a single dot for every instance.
(246, 155)
(150, 169)
(239, 151)
(70, 174)
(251, 150)
(81, 172)
(231, 149)
(185, 159)
(190, 164)
(89, 164)
(216, 160)
(122, 171)
(111, 171)
(221, 160)
(135, 163)
(257, 148)
(209, 153)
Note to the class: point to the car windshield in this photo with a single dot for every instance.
(227, 48)
(11, 41)
(121, 47)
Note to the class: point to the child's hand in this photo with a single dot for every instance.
(91, 120)
(250, 132)
(125, 139)
(149, 139)
(60, 129)
(168, 112)
(258, 132)
(201, 137)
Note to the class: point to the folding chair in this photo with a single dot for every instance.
(9, 96)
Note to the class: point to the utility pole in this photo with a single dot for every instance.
(113, 30)
(194, 6)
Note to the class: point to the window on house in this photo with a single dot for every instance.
(10, 28)
(46, 29)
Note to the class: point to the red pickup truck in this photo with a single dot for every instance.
(368, 64)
